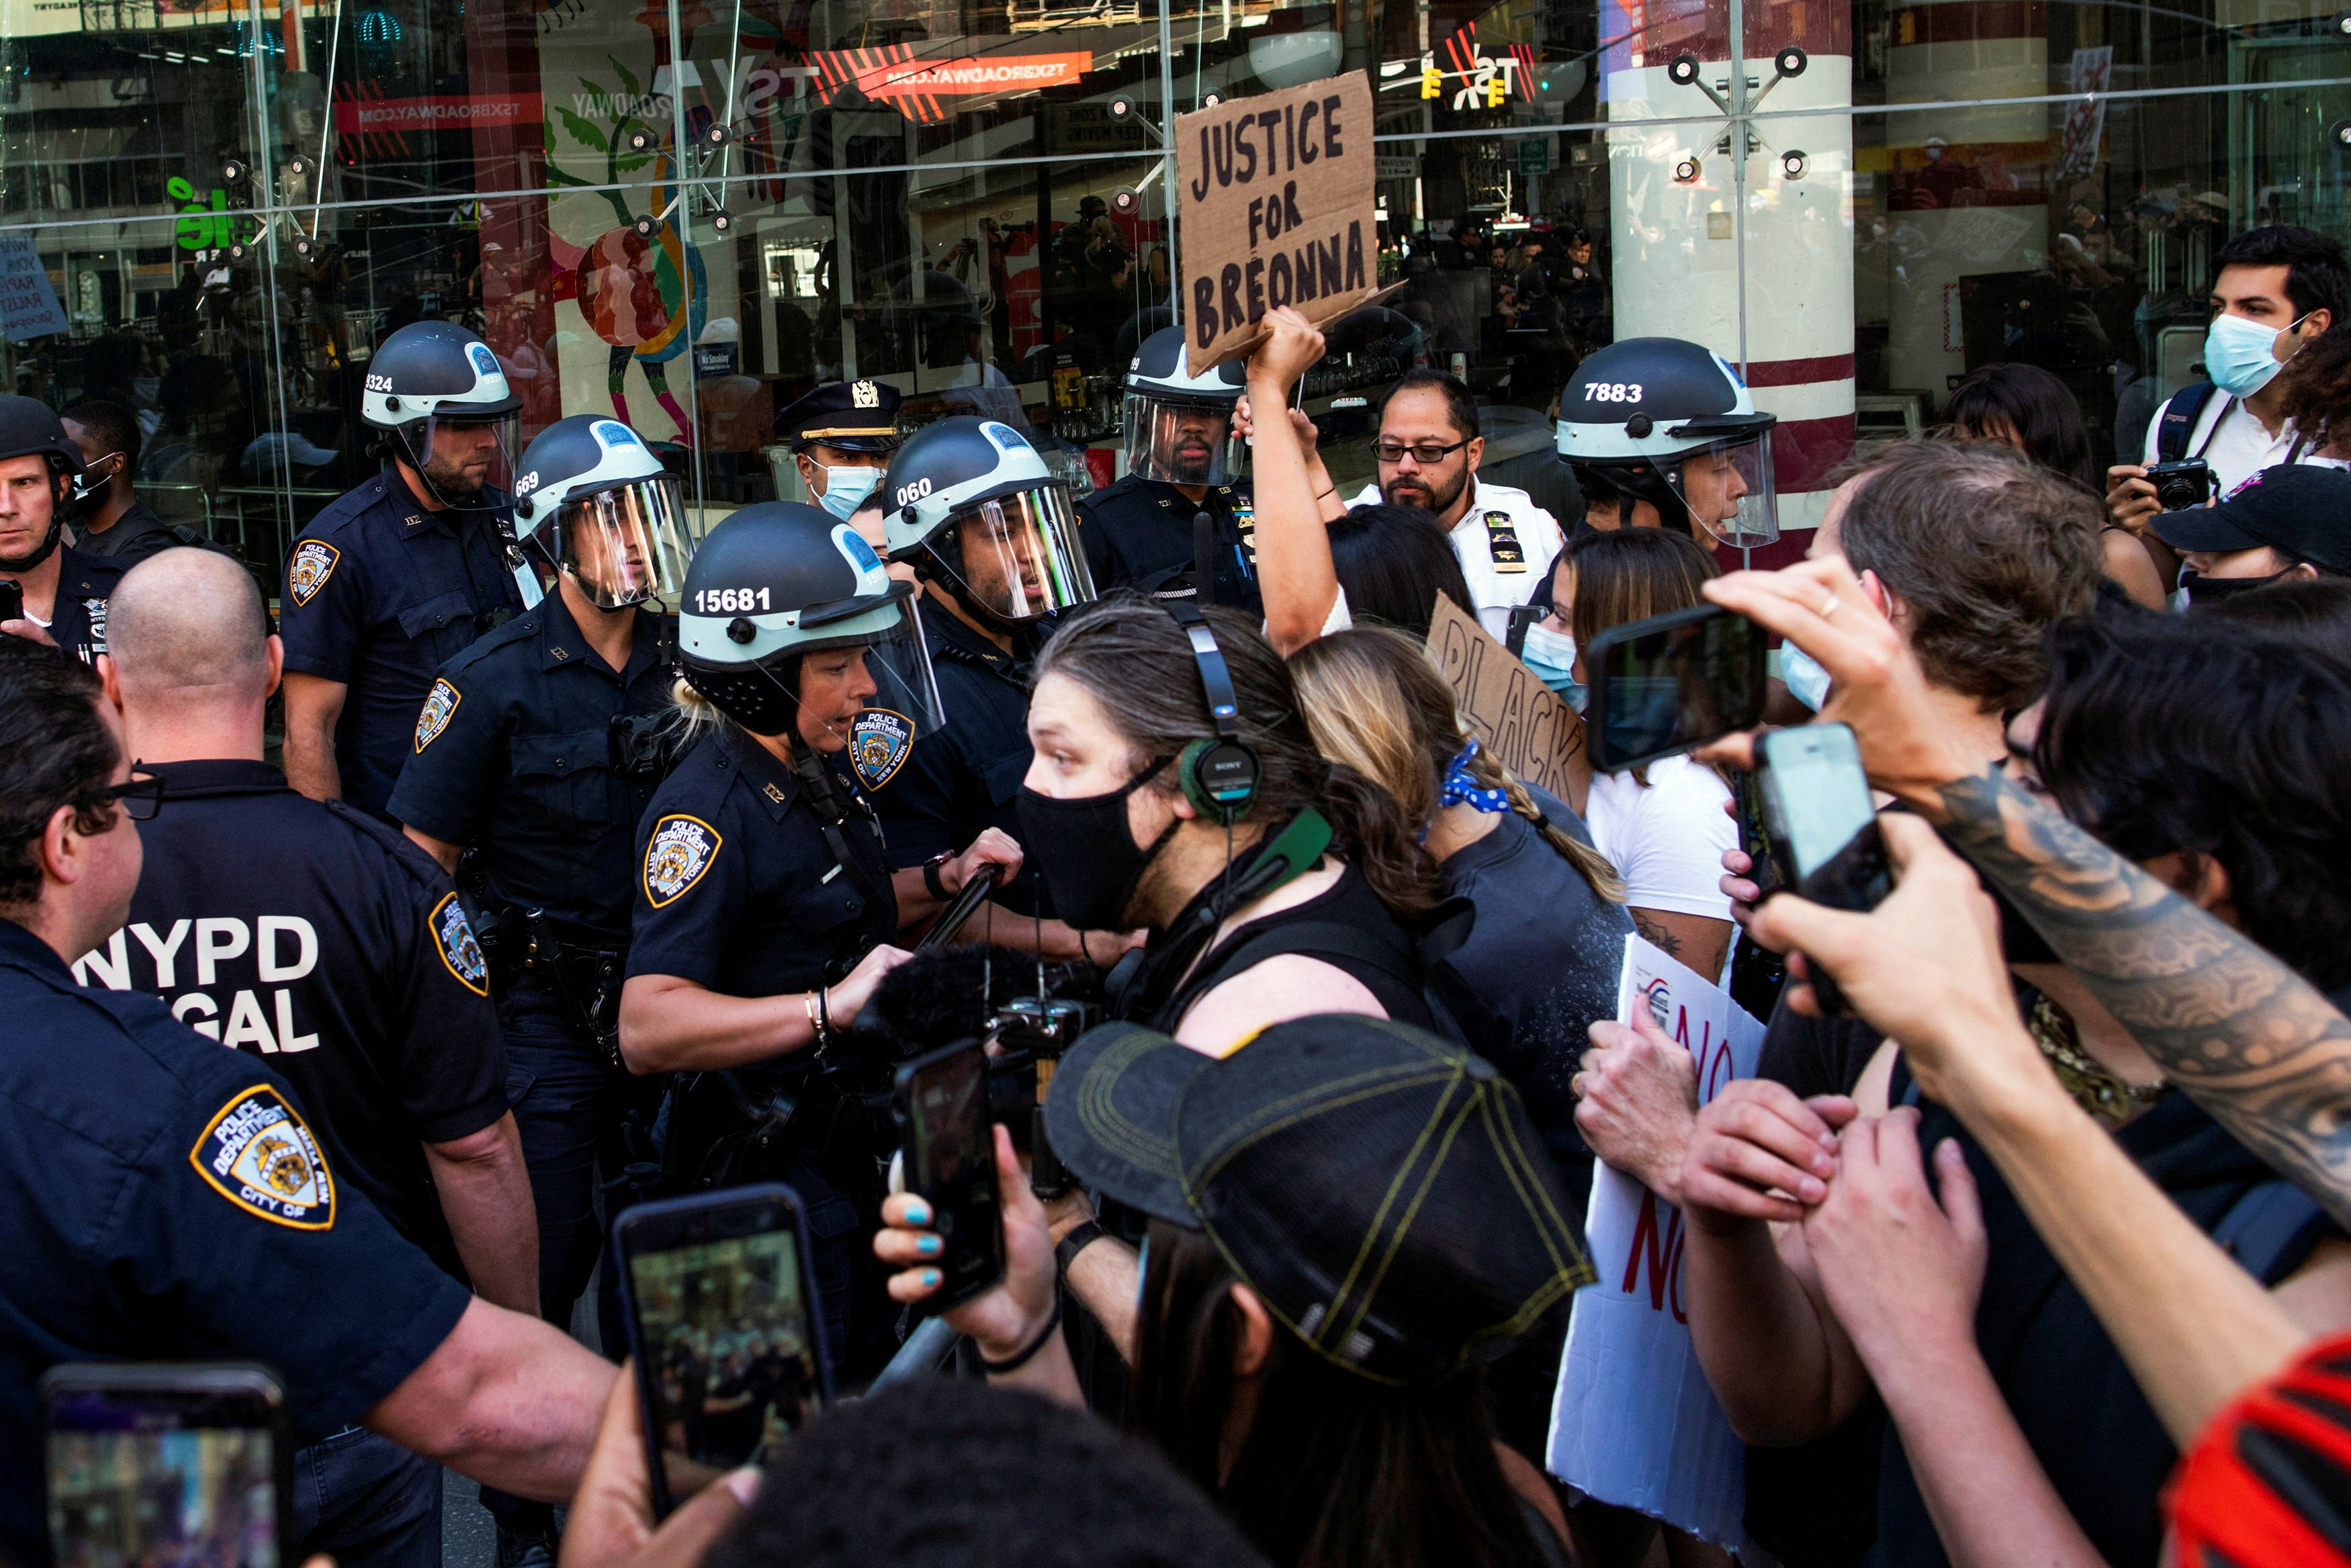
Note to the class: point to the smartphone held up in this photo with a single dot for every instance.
(1822, 827)
(1672, 682)
(950, 1164)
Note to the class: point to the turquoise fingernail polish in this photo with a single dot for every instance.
(918, 1213)
(927, 1245)
(930, 1276)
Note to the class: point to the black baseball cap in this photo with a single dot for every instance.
(1381, 1190)
(2300, 510)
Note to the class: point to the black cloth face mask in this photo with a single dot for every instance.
(2204, 590)
(1086, 853)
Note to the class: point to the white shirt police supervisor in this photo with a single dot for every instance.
(1497, 517)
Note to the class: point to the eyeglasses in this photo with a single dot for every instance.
(141, 795)
(1426, 453)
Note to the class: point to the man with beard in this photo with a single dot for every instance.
(1182, 459)
(398, 577)
(63, 591)
(1429, 447)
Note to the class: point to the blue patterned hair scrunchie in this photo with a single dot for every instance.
(1460, 787)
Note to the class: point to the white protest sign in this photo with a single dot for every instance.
(29, 305)
(1633, 1422)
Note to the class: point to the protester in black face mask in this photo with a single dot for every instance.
(2284, 523)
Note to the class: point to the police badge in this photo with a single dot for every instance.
(257, 1154)
(879, 743)
(680, 850)
(307, 573)
(864, 395)
(440, 704)
(453, 935)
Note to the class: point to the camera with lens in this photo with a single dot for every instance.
(641, 746)
(1037, 1032)
(2182, 484)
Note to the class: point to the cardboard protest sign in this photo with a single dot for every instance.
(1276, 208)
(29, 305)
(1516, 717)
(1633, 1422)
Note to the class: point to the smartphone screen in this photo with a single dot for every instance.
(1673, 681)
(727, 1363)
(1822, 793)
(12, 600)
(165, 1465)
(951, 1163)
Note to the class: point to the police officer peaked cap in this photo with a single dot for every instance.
(855, 416)
(573, 457)
(782, 577)
(1647, 399)
(948, 466)
(434, 367)
(1157, 371)
(30, 428)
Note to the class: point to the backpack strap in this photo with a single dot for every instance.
(2177, 423)
(2267, 1226)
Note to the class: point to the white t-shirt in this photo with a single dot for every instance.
(1666, 841)
(2233, 443)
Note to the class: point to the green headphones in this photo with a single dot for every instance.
(1219, 776)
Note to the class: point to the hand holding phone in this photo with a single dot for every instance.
(1823, 828)
(212, 1437)
(1671, 682)
(941, 1102)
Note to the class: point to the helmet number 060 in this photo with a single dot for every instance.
(729, 601)
(1611, 392)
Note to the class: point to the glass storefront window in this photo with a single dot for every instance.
(690, 211)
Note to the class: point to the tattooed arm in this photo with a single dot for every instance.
(2250, 1040)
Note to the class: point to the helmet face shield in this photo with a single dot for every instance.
(1181, 442)
(1729, 489)
(1018, 555)
(622, 545)
(459, 456)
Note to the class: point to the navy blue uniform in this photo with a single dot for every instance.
(77, 619)
(517, 757)
(380, 593)
(339, 952)
(966, 777)
(171, 1204)
(740, 891)
(1137, 535)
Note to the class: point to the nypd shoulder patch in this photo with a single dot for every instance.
(313, 562)
(257, 1154)
(453, 935)
(440, 706)
(680, 850)
(880, 740)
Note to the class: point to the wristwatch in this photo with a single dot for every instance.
(931, 882)
(1078, 1240)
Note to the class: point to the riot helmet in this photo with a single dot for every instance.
(1179, 426)
(441, 392)
(598, 506)
(1671, 422)
(774, 595)
(973, 505)
(30, 428)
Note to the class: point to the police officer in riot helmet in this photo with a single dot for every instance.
(1182, 459)
(993, 539)
(842, 435)
(395, 578)
(765, 901)
(63, 591)
(534, 754)
(1671, 429)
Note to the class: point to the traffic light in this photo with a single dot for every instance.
(1496, 86)
(1432, 82)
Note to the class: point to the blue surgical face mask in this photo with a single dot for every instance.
(2240, 355)
(845, 489)
(1552, 656)
(1807, 683)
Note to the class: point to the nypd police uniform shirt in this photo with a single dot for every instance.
(738, 890)
(170, 1200)
(380, 593)
(1505, 542)
(1137, 533)
(77, 619)
(319, 941)
(513, 754)
(965, 777)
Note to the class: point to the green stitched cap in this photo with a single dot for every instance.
(1380, 1190)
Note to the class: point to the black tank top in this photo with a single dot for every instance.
(1346, 927)
(2093, 1432)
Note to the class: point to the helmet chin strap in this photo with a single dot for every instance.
(952, 580)
(417, 465)
(59, 493)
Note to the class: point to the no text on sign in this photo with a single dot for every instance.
(1275, 196)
